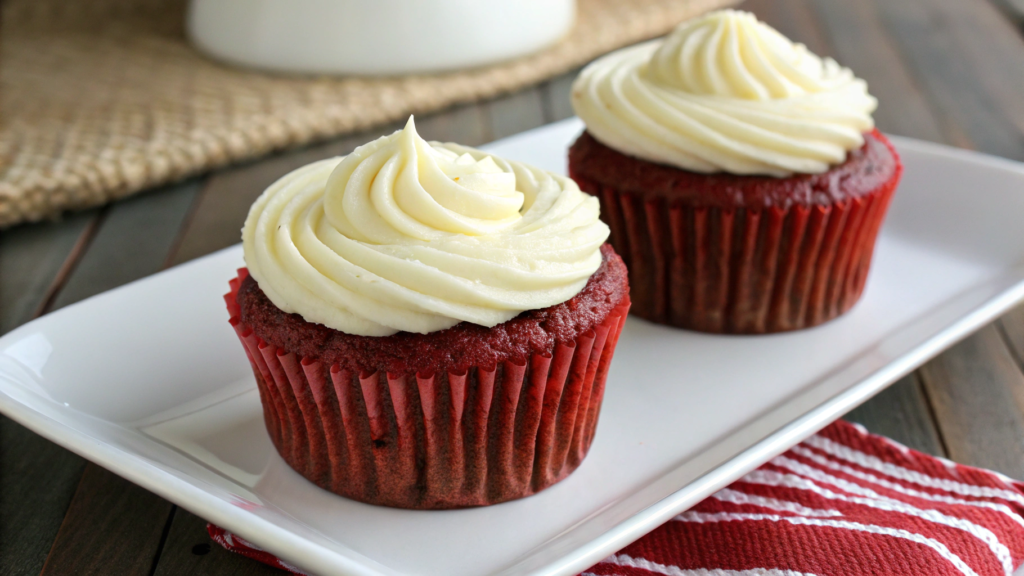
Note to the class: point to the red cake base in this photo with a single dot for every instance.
(405, 421)
(741, 254)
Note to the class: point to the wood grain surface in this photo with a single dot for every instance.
(949, 71)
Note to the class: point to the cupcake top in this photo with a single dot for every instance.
(725, 93)
(408, 235)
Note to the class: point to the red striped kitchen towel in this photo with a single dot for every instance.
(842, 503)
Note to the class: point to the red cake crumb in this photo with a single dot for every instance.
(450, 350)
(865, 170)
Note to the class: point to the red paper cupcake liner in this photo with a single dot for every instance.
(740, 270)
(479, 436)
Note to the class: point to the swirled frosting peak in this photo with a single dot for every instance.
(408, 235)
(725, 93)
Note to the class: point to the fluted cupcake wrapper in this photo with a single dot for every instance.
(741, 270)
(479, 436)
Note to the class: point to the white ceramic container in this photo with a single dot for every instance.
(375, 37)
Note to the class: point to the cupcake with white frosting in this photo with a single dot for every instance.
(741, 175)
(429, 326)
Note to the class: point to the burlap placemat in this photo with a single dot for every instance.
(103, 98)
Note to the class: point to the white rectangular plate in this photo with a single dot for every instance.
(150, 381)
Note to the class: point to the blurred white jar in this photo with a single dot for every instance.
(375, 37)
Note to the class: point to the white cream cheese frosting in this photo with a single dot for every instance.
(725, 93)
(408, 235)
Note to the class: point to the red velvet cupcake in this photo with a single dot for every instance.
(429, 327)
(744, 187)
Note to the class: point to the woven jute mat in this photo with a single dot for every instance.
(102, 98)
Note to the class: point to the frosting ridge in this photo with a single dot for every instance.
(725, 93)
(407, 235)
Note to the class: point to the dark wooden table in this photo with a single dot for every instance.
(949, 71)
